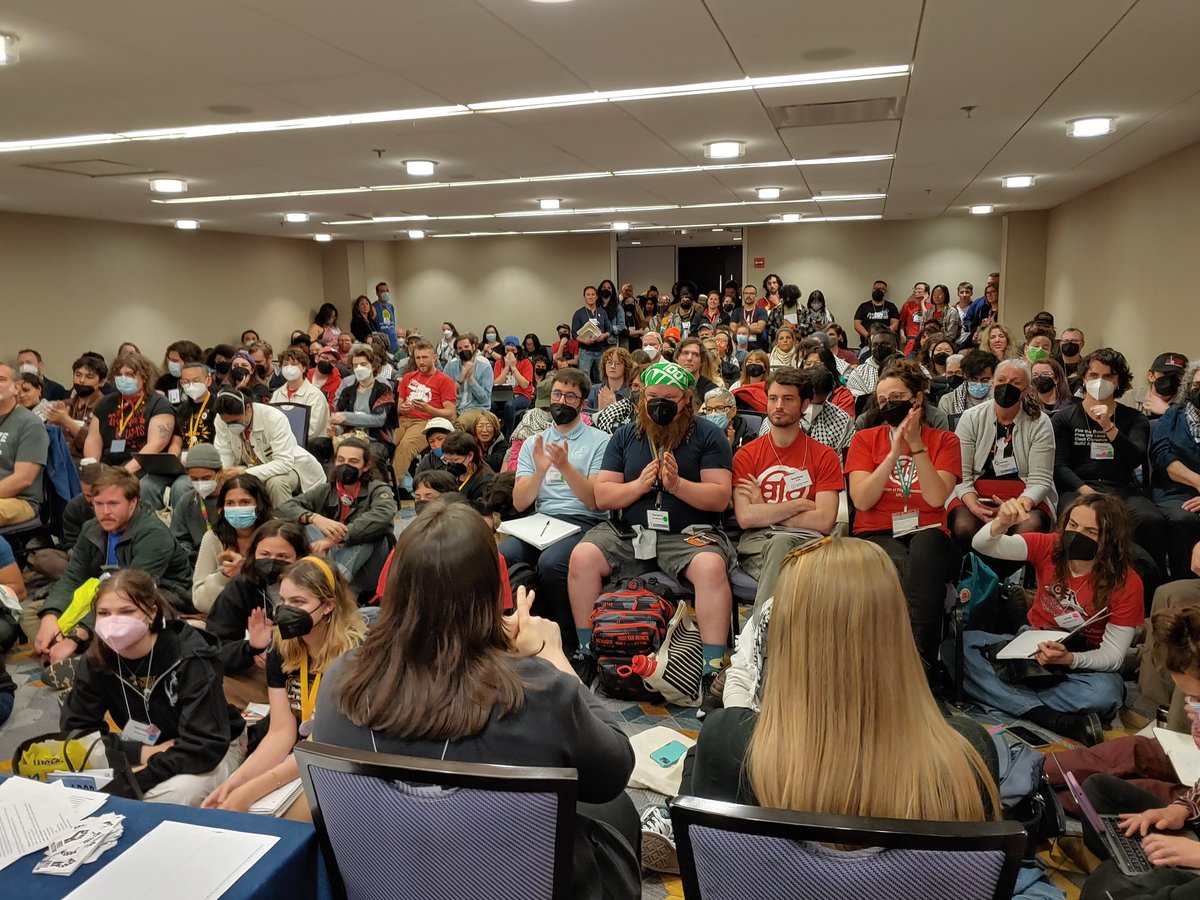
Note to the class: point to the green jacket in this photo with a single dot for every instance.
(371, 516)
(145, 544)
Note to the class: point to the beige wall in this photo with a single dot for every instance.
(520, 284)
(1121, 261)
(68, 285)
(843, 258)
(1023, 271)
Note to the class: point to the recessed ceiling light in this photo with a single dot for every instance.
(738, 238)
(620, 226)
(168, 185)
(8, 50)
(981, 209)
(724, 149)
(550, 203)
(322, 238)
(419, 167)
(1093, 127)
(683, 231)
(187, 224)
(416, 234)
(768, 193)
(1017, 181)
(791, 217)
(295, 217)
(635, 243)
(774, 220)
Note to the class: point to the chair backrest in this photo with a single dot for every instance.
(502, 393)
(425, 829)
(753, 422)
(297, 415)
(729, 852)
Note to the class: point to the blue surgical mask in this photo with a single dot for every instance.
(126, 384)
(240, 516)
(174, 368)
(978, 391)
(437, 451)
(385, 297)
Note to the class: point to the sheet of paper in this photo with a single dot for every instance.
(539, 530)
(214, 861)
(32, 815)
(1181, 749)
(258, 709)
(1025, 644)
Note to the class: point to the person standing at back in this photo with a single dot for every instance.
(385, 315)
(597, 329)
(876, 311)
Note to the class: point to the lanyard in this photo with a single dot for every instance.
(307, 701)
(803, 462)
(204, 514)
(145, 694)
(195, 421)
(124, 423)
(906, 482)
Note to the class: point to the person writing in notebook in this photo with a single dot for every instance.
(1079, 589)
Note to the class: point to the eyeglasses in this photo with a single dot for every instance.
(569, 396)
(804, 549)
(713, 409)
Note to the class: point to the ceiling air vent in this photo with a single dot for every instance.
(880, 109)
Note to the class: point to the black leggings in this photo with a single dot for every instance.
(964, 525)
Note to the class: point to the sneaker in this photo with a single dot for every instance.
(584, 665)
(658, 841)
(712, 685)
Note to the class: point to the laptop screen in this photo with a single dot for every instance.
(1085, 805)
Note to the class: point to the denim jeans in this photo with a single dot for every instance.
(589, 362)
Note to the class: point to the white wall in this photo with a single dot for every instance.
(645, 266)
(68, 285)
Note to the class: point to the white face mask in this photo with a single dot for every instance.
(175, 369)
(447, 334)
(291, 373)
(29, 368)
(362, 373)
(1099, 389)
(195, 391)
(204, 489)
(651, 351)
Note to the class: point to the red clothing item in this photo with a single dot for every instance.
(332, 382)
(753, 395)
(572, 348)
(911, 320)
(525, 367)
(506, 598)
(770, 467)
(868, 449)
(842, 398)
(436, 389)
(1125, 605)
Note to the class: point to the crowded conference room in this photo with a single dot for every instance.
(423, 427)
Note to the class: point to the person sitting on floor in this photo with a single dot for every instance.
(484, 425)
(316, 621)
(12, 592)
(1077, 587)
(193, 513)
(242, 505)
(51, 562)
(1175, 458)
(436, 432)
(489, 689)
(368, 405)
(296, 388)
(463, 460)
(159, 681)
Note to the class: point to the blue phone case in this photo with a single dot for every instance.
(669, 754)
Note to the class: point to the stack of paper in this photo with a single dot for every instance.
(538, 530)
(1181, 749)
(33, 814)
(1025, 644)
(589, 333)
(89, 840)
(277, 802)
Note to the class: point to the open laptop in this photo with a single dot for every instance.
(167, 465)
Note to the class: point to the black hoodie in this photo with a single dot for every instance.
(185, 701)
(227, 621)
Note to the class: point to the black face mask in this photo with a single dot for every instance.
(457, 469)
(347, 474)
(882, 352)
(1194, 397)
(876, 296)
(755, 370)
(1079, 547)
(268, 570)
(324, 366)
(419, 505)
(563, 414)
(955, 380)
(939, 359)
(662, 411)
(727, 306)
(605, 294)
(86, 390)
(1006, 395)
(894, 412)
(261, 370)
(686, 303)
(222, 367)
(293, 622)
(1043, 383)
(1070, 348)
(1165, 386)
(466, 355)
(240, 374)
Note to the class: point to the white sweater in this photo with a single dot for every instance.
(1033, 449)
(273, 443)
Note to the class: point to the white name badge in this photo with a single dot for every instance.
(905, 523)
(140, 732)
(685, 327)
(1070, 620)
(117, 445)
(1004, 465)
(658, 519)
(553, 476)
(797, 481)
(173, 396)
(1103, 450)
(645, 544)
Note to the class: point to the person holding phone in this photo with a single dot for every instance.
(1078, 589)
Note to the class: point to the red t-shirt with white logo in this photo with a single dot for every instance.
(435, 389)
(868, 449)
(771, 466)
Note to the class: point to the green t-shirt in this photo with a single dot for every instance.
(23, 438)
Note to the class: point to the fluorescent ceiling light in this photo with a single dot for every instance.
(322, 238)
(981, 209)
(1017, 181)
(620, 226)
(791, 217)
(771, 193)
(8, 50)
(419, 167)
(657, 227)
(635, 243)
(416, 234)
(187, 224)
(738, 238)
(549, 203)
(295, 217)
(1093, 127)
(724, 149)
(168, 185)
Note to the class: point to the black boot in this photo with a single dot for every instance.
(1082, 727)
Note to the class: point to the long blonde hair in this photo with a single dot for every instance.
(848, 725)
(346, 627)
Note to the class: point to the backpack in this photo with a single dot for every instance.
(1026, 794)
(629, 621)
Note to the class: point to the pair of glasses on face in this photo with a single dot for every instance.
(569, 396)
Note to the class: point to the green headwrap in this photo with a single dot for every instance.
(669, 373)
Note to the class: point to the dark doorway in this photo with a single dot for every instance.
(709, 268)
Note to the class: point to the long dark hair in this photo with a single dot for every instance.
(291, 532)
(225, 532)
(1115, 539)
(141, 588)
(443, 683)
(327, 315)
(908, 371)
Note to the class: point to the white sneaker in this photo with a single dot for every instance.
(658, 841)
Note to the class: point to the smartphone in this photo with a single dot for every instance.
(623, 529)
(669, 754)
(1029, 737)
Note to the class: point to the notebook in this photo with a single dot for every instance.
(1025, 644)
(277, 802)
(538, 530)
(1181, 749)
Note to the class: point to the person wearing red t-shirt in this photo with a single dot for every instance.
(915, 311)
(1085, 583)
(424, 394)
(516, 371)
(901, 473)
(784, 479)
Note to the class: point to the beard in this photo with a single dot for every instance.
(667, 437)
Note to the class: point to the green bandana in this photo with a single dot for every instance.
(669, 373)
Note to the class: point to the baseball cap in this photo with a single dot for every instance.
(438, 424)
(1169, 362)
